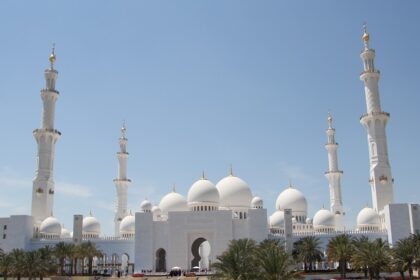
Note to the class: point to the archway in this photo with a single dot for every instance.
(125, 262)
(200, 250)
(160, 260)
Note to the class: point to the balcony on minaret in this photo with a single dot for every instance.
(384, 116)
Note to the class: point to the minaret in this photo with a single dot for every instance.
(375, 121)
(334, 176)
(46, 137)
(121, 183)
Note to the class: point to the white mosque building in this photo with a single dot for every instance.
(193, 230)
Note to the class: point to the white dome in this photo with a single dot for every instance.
(294, 199)
(146, 206)
(323, 219)
(91, 225)
(234, 192)
(203, 191)
(127, 225)
(65, 233)
(257, 202)
(277, 219)
(156, 210)
(173, 201)
(368, 217)
(50, 226)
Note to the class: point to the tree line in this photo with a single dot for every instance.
(48, 260)
(246, 260)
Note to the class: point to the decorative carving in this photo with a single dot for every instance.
(383, 179)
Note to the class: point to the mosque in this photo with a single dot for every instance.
(192, 231)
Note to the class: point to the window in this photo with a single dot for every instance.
(4, 236)
(5, 227)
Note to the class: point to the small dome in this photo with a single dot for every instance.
(156, 210)
(50, 226)
(257, 202)
(203, 191)
(234, 192)
(173, 201)
(277, 219)
(127, 225)
(146, 206)
(309, 221)
(323, 219)
(294, 199)
(368, 218)
(65, 233)
(91, 226)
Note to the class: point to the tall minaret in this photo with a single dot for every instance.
(375, 121)
(46, 137)
(121, 183)
(334, 176)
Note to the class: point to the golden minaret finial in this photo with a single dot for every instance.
(231, 171)
(365, 36)
(52, 57)
(329, 119)
(173, 188)
(123, 130)
(290, 184)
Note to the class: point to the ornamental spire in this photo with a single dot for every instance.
(203, 176)
(231, 171)
(329, 119)
(52, 57)
(365, 36)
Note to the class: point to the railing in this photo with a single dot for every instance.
(47, 130)
(375, 114)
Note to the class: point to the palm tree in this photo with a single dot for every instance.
(405, 253)
(62, 251)
(46, 262)
(17, 262)
(308, 251)
(275, 262)
(340, 249)
(238, 261)
(5, 264)
(89, 251)
(373, 255)
(31, 264)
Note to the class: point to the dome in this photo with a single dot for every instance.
(127, 225)
(323, 219)
(156, 210)
(146, 206)
(234, 192)
(277, 219)
(203, 191)
(173, 201)
(65, 233)
(257, 202)
(91, 226)
(50, 226)
(294, 199)
(367, 218)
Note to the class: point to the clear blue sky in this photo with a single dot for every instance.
(202, 85)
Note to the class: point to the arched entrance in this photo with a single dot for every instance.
(200, 250)
(125, 262)
(160, 260)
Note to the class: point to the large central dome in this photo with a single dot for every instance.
(234, 192)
